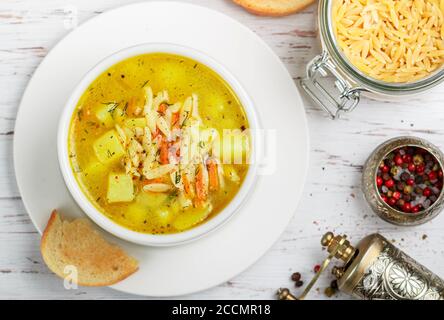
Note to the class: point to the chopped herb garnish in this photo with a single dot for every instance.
(145, 83)
(112, 107)
(177, 178)
(125, 108)
(172, 196)
(186, 117)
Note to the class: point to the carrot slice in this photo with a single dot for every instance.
(201, 193)
(133, 108)
(187, 186)
(213, 175)
(162, 108)
(157, 133)
(164, 152)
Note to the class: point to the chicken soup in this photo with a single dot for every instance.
(159, 143)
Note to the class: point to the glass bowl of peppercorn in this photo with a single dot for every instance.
(402, 181)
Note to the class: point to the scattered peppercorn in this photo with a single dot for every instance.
(329, 292)
(316, 268)
(409, 179)
(299, 283)
(296, 276)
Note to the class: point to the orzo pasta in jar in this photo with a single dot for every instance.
(383, 49)
(393, 41)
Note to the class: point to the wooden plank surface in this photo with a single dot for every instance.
(332, 198)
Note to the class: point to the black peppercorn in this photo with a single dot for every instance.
(419, 179)
(299, 283)
(405, 176)
(296, 276)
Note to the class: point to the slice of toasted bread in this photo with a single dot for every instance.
(76, 244)
(273, 7)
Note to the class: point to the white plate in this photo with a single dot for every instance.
(245, 238)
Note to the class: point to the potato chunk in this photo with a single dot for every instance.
(136, 213)
(108, 147)
(192, 217)
(104, 113)
(120, 188)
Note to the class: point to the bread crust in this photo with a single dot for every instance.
(54, 225)
(273, 8)
(49, 226)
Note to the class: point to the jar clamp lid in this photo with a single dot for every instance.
(349, 81)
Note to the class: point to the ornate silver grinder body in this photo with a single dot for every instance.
(375, 270)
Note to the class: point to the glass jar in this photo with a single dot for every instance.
(371, 192)
(349, 81)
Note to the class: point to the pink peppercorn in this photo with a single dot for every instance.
(396, 195)
(379, 181)
(398, 160)
(407, 207)
(389, 183)
(407, 158)
(433, 175)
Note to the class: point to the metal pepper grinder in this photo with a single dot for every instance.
(375, 269)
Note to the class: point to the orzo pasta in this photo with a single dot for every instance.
(392, 41)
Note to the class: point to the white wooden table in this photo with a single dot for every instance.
(332, 199)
